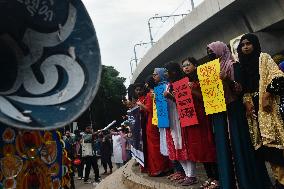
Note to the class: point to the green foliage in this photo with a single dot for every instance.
(107, 105)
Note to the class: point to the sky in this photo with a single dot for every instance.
(120, 24)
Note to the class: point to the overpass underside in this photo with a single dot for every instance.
(216, 20)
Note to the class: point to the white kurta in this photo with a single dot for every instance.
(117, 148)
(163, 142)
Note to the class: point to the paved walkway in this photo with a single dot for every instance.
(79, 184)
(134, 179)
(114, 181)
(130, 177)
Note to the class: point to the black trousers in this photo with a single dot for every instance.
(80, 168)
(271, 154)
(106, 161)
(72, 182)
(91, 161)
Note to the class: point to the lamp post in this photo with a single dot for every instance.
(134, 49)
(192, 4)
(150, 32)
(160, 17)
(131, 65)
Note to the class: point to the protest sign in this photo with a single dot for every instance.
(154, 118)
(136, 139)
(211, 87)
(162, 106)
(184, 101)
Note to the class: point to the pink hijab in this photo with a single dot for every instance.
(227, 66)
(226, 59)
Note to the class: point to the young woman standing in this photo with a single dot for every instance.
(203, 131)
(158, 164)
(264, 84)
(197, 140)
(235, 154)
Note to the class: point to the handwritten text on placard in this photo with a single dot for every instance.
(185, 103)
(211, 87)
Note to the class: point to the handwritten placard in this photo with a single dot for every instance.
(184, 101)
(154, 118)
(162, 106)
(211, 87)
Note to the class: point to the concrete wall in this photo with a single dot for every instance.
(215, 20)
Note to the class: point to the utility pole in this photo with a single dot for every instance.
(192, 4)
(131, 65)
(160, 17)
(150, 32)
(134, 49)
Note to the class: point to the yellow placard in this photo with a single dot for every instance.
(211, 87)
(155, 116)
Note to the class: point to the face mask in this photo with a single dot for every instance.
(212, 56)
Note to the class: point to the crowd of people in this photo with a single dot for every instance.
(86, 148)
(233, 145)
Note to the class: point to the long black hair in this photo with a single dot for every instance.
(130, 92)
(151, 82)
(175, 70)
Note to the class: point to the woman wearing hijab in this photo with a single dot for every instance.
(160, 79)
(197, 140)
(157, 163)
(203, 131)
(261, 95)
(159, 76)
(237, 147)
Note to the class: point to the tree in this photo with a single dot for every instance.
(107, 105)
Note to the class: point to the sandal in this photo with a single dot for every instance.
(180, 181)
(177, 177)
(206, 183)
(188, 181)
(214, 185)
(172, 175)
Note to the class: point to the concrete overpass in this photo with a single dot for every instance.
(214, 20)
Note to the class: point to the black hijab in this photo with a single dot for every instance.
(250, 64)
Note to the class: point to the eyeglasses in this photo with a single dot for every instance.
(186, 64)
(154, 74)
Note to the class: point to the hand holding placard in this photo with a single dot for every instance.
(211, 87)
(162, 106)
(185, 105)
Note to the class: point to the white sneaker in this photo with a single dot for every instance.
(95, 184)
